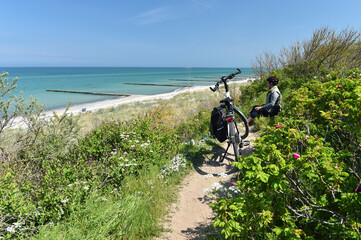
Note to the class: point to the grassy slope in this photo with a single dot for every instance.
(144, 201)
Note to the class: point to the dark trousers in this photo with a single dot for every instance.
(255, 113)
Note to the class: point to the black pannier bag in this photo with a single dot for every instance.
(218, 125)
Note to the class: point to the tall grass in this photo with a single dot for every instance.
(109, 174)
(179, 107)
(136, 213)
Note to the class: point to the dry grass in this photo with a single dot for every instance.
(176, 108)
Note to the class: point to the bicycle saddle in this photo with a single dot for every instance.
(226, 100)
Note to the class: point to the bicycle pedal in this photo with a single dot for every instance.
(246, 143)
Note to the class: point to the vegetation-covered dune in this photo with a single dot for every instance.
(110, 174)
(304, 179)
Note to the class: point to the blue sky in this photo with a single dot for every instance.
(160, 33)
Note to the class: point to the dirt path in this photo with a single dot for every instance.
(191, 217)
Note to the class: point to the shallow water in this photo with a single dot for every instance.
(35, 81)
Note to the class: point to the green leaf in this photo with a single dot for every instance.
(263, 176)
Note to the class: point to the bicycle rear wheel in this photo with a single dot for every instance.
(241, 123)
(234, 138)
(236, 150)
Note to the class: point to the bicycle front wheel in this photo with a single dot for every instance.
(241, 123)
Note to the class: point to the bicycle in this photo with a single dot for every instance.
(233, 117)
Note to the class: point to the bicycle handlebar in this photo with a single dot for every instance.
(224, 79)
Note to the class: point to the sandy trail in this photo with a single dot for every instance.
(191, 217)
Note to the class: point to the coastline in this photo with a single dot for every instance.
(104, 104)
(95, 106)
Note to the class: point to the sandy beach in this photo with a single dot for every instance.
(94, 106)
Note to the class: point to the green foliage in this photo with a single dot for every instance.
(131, 213)
(303, 179)
(286, 196)
(99, 161)
(334, 106)
(194, 127)
(48, 173)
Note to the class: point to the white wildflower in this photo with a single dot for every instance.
(86, 188)
(216, 186)
(113, 152)
(11, 229)
(223, 175)
(193, 142)
(207, 190)
(234, 189)
(133, 146)
(70, 185)
(64, 201)
(17, 224)
(175, 164)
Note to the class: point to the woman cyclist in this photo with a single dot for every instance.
(273, 102)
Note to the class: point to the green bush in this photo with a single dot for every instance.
(294, 186)
(100, 160)
(304, 177)
(334, 106)
(49, 180)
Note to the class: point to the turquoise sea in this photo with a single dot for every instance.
(35, 81)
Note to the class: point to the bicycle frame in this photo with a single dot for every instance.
(233, 137)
